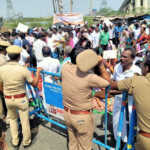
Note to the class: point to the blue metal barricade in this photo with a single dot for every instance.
(132, 125)
(120, 127)
(53, 98)
(132, 130)
(106, 114)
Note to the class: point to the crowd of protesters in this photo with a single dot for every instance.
(52, 48)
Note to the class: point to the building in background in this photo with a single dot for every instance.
(135, 6)
(94, 11)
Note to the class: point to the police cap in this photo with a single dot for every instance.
(4, 43)
(14, 49)
(86, 60)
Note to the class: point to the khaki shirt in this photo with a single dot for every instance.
(13, 77)
(77, 87)
(139, 86)
(3, 59)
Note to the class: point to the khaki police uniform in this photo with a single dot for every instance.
(139, 86)
(77, 100)
(13, 77)
(3, 61)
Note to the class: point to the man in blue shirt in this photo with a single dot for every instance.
(117, 31)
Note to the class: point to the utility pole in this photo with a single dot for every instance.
(10, 9)
(60, 6)
(91, 7)
(57, 6)
(54, 6)
(71, 4)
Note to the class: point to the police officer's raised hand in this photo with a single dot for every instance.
(37, 77)
(39, 69)
(104, 73)
(100, 59)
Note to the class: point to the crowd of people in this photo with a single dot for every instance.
(76, 52)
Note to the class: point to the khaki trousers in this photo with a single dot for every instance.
(1, 107)
(143, 143)
(15, 107)
(80, 130)
(1, 114)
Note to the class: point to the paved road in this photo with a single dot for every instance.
(50, 137)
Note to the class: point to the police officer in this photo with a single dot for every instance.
(3, 60)
(12, 83)
(3, 46)
(77, 84)
(139, 86)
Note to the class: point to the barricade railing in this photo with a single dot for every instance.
(132, 124)
(106, 119)
(120, 127)
(132, 130)
(54, 91)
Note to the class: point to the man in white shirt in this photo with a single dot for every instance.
(30, 38)
(60, 34)
(37, 48)
(95, 39)
(49, 64)
(57, 41)
(50, 42)
(89, 33)
(136, 31)
(111, 33)
(75, 38)
(24, 56)
(60, 40)
(124, 69)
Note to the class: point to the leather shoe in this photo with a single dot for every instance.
(15, 146)
(26, 146)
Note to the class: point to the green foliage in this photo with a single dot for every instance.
(35, 25)
(10, 25)
(35, 19)
(89, 19)
(108, 12)
(31, 22)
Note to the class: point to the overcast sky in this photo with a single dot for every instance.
(43, 8)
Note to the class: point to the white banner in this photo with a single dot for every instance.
(110, 54)
(22, 28)
(69, 18)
